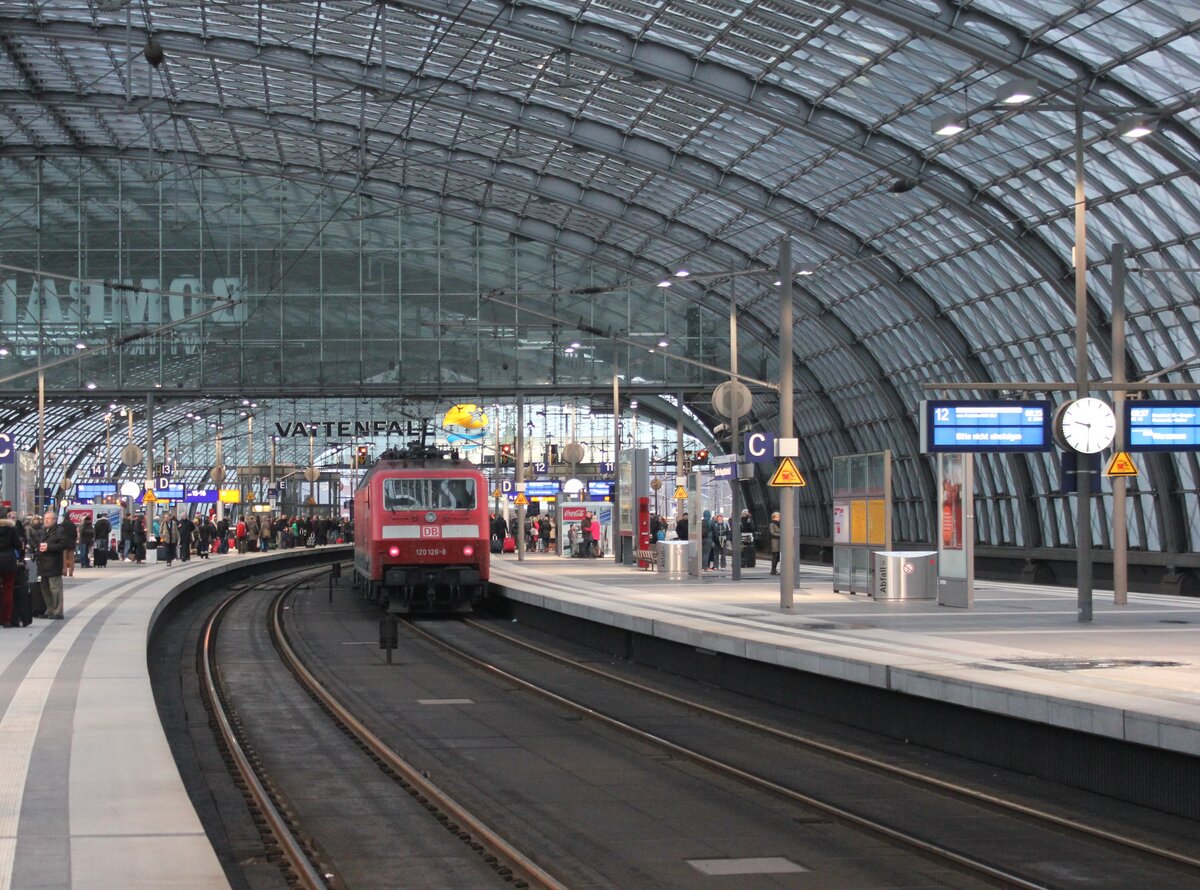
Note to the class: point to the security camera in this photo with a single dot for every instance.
(153, 52)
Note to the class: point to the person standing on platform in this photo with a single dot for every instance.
(585, 529)
(205, 531)
(187, 531)
(681, 527)
(239, 535)
(721, 538)
(168, 536)
(127, 538)
(708, 556)
(12, 548)
(54, 546)
(68, 557)
(87, 538)
(252, 533)
(594, 528)
(773, 532)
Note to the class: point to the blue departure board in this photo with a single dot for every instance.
(956, 426)
(1162, 426)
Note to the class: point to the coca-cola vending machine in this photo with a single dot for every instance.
(643, 530)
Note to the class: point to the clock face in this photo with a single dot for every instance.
(1087, 425)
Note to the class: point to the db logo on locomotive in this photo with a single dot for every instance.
(431, 531)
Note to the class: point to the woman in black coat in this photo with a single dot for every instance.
(12, 548)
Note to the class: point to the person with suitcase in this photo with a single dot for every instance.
(100, 551)
(12, 550)
(57, 542)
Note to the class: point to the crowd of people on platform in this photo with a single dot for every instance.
(55, 546)
(718, 535)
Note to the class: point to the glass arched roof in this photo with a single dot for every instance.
(427, 194)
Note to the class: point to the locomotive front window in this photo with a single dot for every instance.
(429, 494)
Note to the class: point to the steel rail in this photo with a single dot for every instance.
(962, 861)
(308, 876)
(520, 865)
(973, 794)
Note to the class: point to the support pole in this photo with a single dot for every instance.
(616, 502)
(1083, 481)
(787, 428)
(735, 485)
(1120, 532)
(39, 500)
(519, 534)
(150, 458)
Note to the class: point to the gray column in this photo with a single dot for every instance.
(519, 457)
(787, 428)
(1120, 533)
(1083, 480)
(735, 485)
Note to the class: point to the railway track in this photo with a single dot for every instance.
(297, 850)
(1185, 867)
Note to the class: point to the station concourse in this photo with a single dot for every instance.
(919, 280)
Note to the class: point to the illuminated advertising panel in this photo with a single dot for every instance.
(1162, 426)
(957, 426)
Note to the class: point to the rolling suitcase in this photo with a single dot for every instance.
(510, 544)
(163, 553)
(496, 546)
(100, 557)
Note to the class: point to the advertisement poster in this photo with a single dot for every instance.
(952, 502)
(841, 522)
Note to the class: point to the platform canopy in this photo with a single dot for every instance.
(421, 201)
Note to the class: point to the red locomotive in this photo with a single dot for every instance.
(421, 535)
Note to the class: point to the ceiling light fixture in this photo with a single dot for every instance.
(666, 282)
(91, 384)
(682, 273)
(1017, 92)
(80, 345)
(1135, 128)
(948, 124)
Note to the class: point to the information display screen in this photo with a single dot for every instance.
(1162, 426)
(957, 426)
(90, 491)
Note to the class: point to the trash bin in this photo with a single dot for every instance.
(672, 558)
(748, 554)
(904, 575)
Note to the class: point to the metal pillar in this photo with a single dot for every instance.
(519, 534)
(150, 458)
(616, 456)
(735, 485)
(787, 428)
(1120, 532)
(1083, 487)
(39, 500)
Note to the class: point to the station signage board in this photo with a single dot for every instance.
(975, 426)
(200, 496)
(599, 489)
(1162, 426)
(168, 492)
(94, 491)
(229, 496)
(540, 489)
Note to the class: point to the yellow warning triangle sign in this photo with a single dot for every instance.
(495, 492)
(787, 476)
(680, 493)
(149, 497)
(521, 500)
(1120, 464)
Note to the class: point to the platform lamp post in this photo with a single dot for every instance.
(1021, 95)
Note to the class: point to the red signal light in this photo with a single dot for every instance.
(393, 551)
(468, 550)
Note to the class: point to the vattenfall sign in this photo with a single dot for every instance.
(347, 428)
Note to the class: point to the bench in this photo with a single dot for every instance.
(646, 556)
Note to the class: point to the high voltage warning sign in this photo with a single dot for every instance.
(521, 500)
(680, 493)
(1121, 465)
(787, 476)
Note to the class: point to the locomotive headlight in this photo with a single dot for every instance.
(431, 516)
(468, 550)
(393, 551)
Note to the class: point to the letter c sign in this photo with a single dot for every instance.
(6, 448)
(760, 448)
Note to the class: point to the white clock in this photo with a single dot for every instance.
(1086, 425)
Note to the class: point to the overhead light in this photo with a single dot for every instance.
(254, 404)
(1017, 92)
(682, 273)
(574, 344)
(158, 386)
(777, 283)
(1135, 128)
(3, 350)
(569, 351)
(662, 343)
(80, 345)
(806, 269)
(950, 124)
(112, 406)
(91, 384)
(666, 282)
(245, 401)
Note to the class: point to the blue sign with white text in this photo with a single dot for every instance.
(7, 451)
(961, 426)
(1162, 426)
(760, 448)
